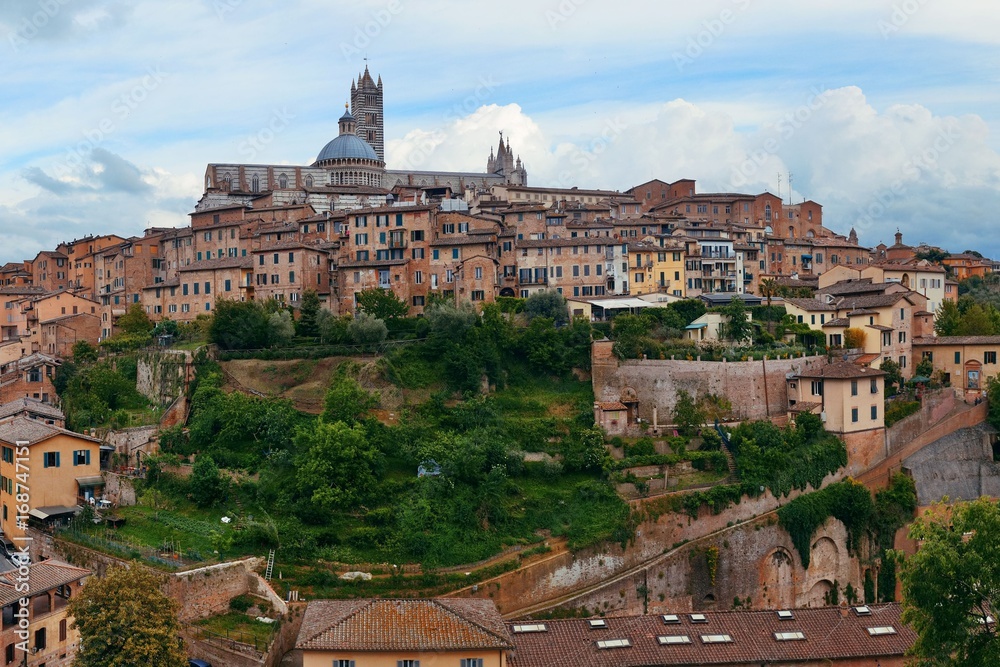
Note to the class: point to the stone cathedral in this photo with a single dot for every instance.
(350, 170)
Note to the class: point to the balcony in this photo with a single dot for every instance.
(397, 243)
(534, 280)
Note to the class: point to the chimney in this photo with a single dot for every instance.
(843, 609)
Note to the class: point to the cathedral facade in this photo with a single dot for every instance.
(350, 170)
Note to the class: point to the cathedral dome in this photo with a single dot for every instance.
(347, 146)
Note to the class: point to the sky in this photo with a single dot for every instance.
(886, 112)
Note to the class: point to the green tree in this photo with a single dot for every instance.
(381, 303)
(547, 303)
(367, 329)
(84, 352)
(337, 466)
(947, 319)
(240, 325)
(893, 376)
(282, 328)
(737, 326)
(347, 401)
(768, 289)
(167, 327)
(687, 415)
(332, 329)
(208, 486)
(951, 586)
(689, 309)
(135, 322)
(307, 324)
(125, 620)
(976, 321)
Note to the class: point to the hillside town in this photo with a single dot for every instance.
(353, 414)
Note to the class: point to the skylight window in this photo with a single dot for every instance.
(671, 619)
(698, 618)
(863, 611)
(716, 639)
(667, 640)
(881, 630)
(785, 615)
(597, 623)
(789, 636)
(614, 643)
(535, 627)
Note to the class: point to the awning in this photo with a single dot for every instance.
(93, 480)
(53, 512)
(697, 325)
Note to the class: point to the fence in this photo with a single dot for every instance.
(236, 640)
(109, 540)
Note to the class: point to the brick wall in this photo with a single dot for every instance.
(656, 383)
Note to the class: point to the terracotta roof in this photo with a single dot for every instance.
(613, 405)
(811, 305)
(839, 370)
(879, 327)
(22, 428)
(866, 359)
(32, 405)
(838, 322)
(563, 242)
(43, 576)
(803, 406)
(826, 635)
(957, 340)
(403, 625)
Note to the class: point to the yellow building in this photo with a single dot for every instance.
(52, 639)
(966, 362)
(850, 400)
(441, 632)
(52, 469)
(655, 269)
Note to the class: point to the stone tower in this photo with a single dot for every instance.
(504, 164)
(366, 107)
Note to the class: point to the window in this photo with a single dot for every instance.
(614, 643)
(81, 457)
(435, 254)
(902, 336)
(454, 253)
(854, 415)
(472, 662)
(418, 277)
(8, 454)
(817, 387)
(291, 277)
(716, 639)
(40, 639)
(184, 289)
(789, 636)
(530, 627)
(50, 460)
(882, 630)
(666, 640)
(874, 412)
(229, 286)
(478, 295)
(407, 663)
(479, 273)
(990, 357)
(874, 386)
(9, 654)
(62, 630)
(958, 357)
(854, 387)
(418, 301)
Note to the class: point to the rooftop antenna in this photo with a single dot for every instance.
(779, 185)
(789, 187)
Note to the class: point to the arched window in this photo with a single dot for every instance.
(767, 212)
(255, 184)
(309, 181)
(227, 182)
(282, 181)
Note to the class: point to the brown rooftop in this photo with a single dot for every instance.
(403, 625)
(740, 638)
(840, 370)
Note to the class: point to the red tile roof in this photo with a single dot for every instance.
(403, 625)
(828, 635)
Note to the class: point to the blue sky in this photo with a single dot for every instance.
(885, 112)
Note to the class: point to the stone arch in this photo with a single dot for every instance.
(810, 234)
(628, 394)
(777, 578)
(227, 182)
(282, 181)
(255, 184)
(708, 602)
(819, 593)
(507, 291)
(825, 556)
